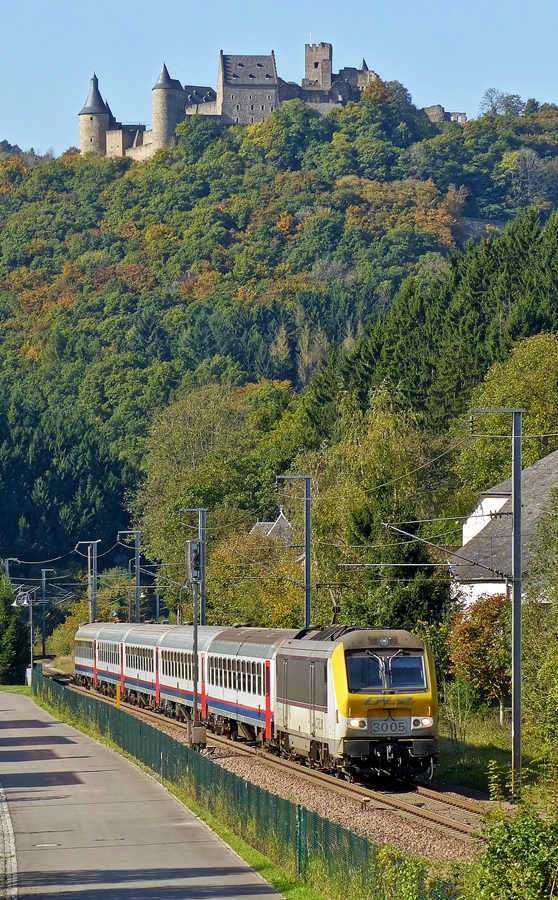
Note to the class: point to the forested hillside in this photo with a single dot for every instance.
(246, 255)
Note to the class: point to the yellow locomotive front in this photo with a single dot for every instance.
(387, 706)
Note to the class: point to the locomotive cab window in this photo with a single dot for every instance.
(369, 671)
(407, 672)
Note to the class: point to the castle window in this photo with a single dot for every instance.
(237, 120)
(251, 76)
(250, 96)
(251, 106)
(238, 106)
(269, 96)
(259, 66)
(316, 65)
(271, 109)
(232, 96)
(267, 75)
(240, 65)
(263, 107)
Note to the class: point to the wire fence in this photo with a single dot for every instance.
(325, 855)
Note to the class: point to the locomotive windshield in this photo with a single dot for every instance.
(370, 671)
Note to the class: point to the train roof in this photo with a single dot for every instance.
(254, 642)
(181, 637)
(234, 641)
(323, 641)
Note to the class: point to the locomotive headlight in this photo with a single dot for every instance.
(424, 722)
(356, 723)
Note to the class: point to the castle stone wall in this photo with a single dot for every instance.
(143, 151)
(246, 105)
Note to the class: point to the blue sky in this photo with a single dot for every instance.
(443, 52)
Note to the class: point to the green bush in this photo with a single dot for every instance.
(520, 861)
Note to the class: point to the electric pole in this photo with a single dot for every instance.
(137, 535)
(307, 543)
(197, 732)
(91, 576)
(202, 530)
(43, 599)
(517, 574)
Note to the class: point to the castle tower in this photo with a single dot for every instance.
(93, 122)
(169, 103)
(318, 63)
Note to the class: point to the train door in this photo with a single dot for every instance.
(312, 711)
(283, 693)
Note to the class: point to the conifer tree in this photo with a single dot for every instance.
(13, 637)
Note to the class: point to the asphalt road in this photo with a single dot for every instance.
(89, 825)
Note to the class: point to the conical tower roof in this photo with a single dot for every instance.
(94, 105)
(363, 66)
(164, 82)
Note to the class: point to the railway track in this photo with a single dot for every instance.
(457, 816)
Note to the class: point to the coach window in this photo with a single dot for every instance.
(249, 677)
(260, 678)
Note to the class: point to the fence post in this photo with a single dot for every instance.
(299, 840)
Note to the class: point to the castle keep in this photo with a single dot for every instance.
(248, 90)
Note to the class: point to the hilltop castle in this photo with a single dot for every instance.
(248, 90)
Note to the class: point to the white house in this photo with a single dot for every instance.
(483, 564)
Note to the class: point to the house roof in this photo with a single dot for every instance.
(490, 549)
(281, 528)
(196, 93)
(249, 71)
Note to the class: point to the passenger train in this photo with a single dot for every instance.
(346, 699)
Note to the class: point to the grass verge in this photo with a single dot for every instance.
(15, 689)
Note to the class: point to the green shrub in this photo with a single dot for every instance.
(520, 861)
